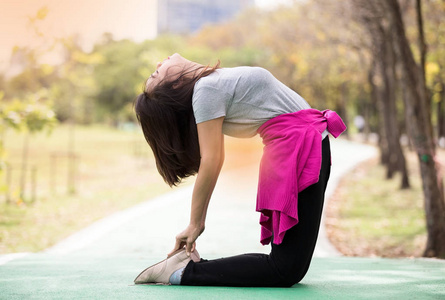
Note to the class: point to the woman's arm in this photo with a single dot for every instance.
(211, 144)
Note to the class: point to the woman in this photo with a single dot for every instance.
(185, 110)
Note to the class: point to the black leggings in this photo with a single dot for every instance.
(287, 263)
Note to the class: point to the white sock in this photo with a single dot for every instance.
(175, 278)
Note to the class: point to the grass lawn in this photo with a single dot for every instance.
(370, 216)
(115, 170)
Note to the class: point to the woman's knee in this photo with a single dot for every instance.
(288, 282)
(292, 275)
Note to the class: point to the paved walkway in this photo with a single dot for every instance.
(101, 261)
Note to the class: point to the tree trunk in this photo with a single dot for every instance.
(422, 137)
(376, 100)
(343, 112)
(405, 95)
(25, 154)
(423, 50)
(441, 112)
(397, 156)
(384, 55)
(388, 101)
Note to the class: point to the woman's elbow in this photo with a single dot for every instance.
(215, 160)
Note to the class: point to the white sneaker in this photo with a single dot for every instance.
(161, 272)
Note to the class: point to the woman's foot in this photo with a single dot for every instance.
(161, 272)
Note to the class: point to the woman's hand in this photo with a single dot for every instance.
(187, 238)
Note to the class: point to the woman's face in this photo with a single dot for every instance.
(172, 65)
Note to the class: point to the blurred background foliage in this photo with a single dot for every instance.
(316, 49)
(100, 85)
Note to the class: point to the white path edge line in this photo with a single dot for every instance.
(98, 229)
(4, 259)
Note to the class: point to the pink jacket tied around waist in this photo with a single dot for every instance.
(291, 162)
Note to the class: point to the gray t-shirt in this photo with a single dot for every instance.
(246, 96)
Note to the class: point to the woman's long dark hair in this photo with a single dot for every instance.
(166, 116)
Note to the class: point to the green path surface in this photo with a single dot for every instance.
(44, 276)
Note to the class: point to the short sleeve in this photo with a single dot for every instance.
(209, 103)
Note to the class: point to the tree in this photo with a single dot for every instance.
(30, 76)
(383, 81)
(434, 27)
(75, 88)
(30, 114)
(421, 134)
(117, 76)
